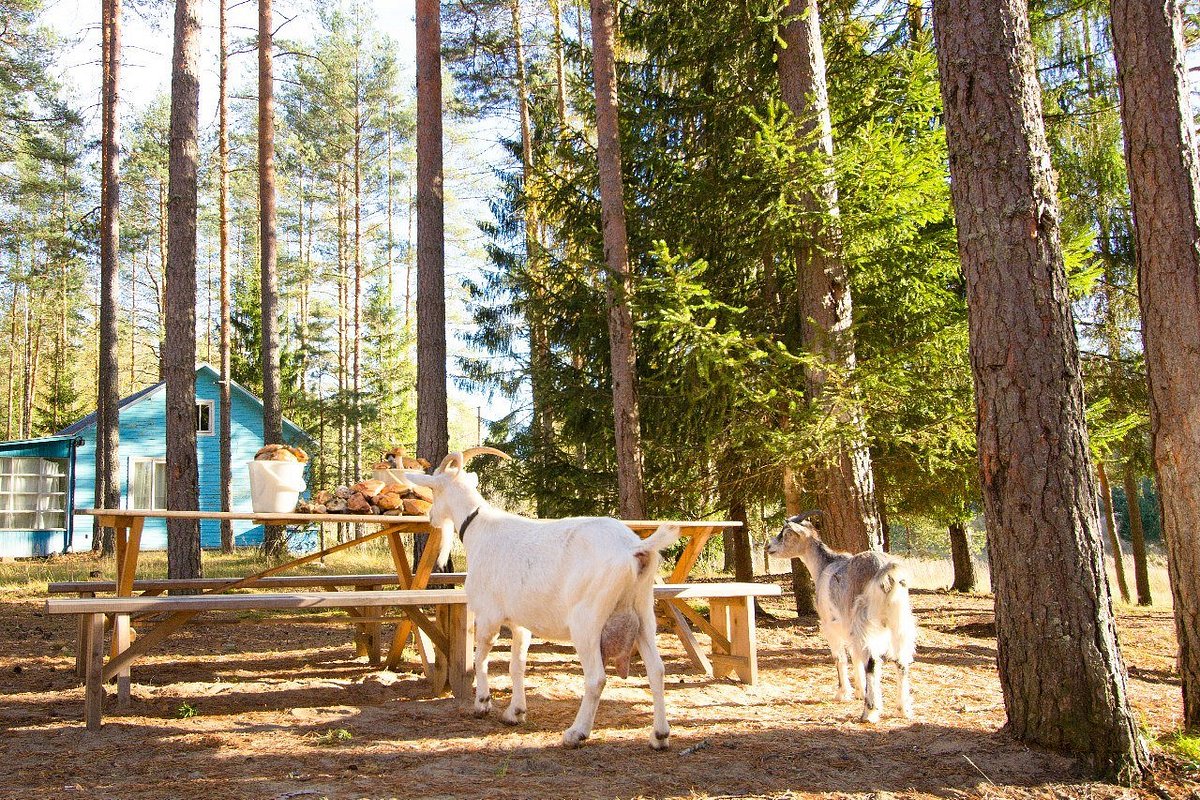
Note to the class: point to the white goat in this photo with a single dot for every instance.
(587, 580)
(863, 606)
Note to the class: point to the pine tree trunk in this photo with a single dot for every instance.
(108, 480)
(618, 283)
(560, 81)
(433, 437)
(960, 556)
(803, 588)
(179, 350)
(1110, 525)
(846, 487)
(1060, 666)
(539, 341)
(1164, 186)
(433, 434)
(1137, 536)
(227, 540)
(356, 404)
(274, 543)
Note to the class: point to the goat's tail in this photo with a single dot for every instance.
(646, 552)
(885, 609)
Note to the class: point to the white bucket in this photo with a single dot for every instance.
(275, 486)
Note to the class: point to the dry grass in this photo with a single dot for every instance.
(275, 711)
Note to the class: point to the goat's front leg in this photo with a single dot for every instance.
(515, 713)
(906, 703)
(844, 690)
(586, 637)
(485, 637)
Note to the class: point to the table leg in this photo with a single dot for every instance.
(419, 580)
(691, 552)
(371, 630)
(129, 537)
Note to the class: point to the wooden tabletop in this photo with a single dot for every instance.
(379, 519)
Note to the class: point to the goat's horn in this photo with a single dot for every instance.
(451, 458)
(471, 452)
(816, 512)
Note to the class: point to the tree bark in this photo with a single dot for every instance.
(1137, 536)
(274, 543)
(846, 490)
(1110, 525)
(1160, 154)
(223, 206)
(433, 433)
(618, 283)
(179, 350)
(960, 556)
(803, 588)
(108, 479)
(433, 436)
(1060, 667)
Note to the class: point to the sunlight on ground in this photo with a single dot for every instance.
(32, 575)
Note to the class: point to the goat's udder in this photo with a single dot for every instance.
(617, 640)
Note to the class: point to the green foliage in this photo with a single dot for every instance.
(186, 711)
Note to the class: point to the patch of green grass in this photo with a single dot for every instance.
(1184, 746)
(185, 711)
(332, 737)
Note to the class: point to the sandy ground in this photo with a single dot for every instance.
(285, 711)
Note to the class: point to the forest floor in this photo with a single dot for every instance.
(279, 711)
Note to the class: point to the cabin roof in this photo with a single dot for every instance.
(149, 391)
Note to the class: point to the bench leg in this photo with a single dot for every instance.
(460, 632)
(733, 617)
(81, 644)
(94, 661)
(120, 643)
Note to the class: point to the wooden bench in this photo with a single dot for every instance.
(729, 625)
(366, 639)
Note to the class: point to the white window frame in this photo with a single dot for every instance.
(44, 481)
(153, 462)
(212, 418)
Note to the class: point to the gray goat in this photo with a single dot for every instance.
(863, 606)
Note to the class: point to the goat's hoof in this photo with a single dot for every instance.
(483, 707)
(843, 696)
(573, 738)
(907, 711)
(660, 741)
(513, 716)
(870, 715)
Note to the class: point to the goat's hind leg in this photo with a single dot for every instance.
(485, 638)
(873, 697)
(660, 734)
(585, 634)
(515, 713)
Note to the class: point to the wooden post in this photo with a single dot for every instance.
(94, 691)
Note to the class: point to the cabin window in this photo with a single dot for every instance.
(33, 494)
(204, 417)
(148, 483)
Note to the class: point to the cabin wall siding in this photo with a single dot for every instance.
(143, 434)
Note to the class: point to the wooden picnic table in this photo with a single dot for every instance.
(128, 523)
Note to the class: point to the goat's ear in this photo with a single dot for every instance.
(469, 478)
(796, 527)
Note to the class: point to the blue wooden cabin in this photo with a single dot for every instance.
(42, 481)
